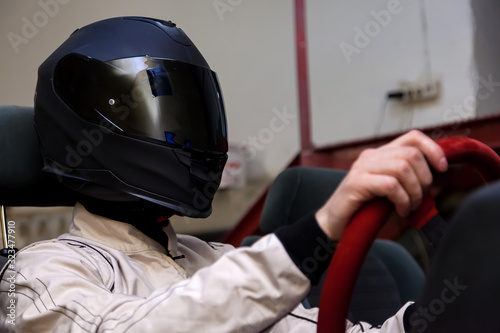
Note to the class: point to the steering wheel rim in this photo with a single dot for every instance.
(367, 222)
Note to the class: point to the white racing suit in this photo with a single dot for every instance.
(106, 276)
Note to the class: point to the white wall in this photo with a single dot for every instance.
(347, 93)
(487, 54)
(251, 46)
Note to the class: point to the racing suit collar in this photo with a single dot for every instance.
(118, 235)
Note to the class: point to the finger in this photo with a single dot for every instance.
(404, 172)
(413, 156)
(391, 188)
(431, 150)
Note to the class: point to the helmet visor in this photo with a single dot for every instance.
(163, 100)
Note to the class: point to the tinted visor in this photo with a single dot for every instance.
(164, 100)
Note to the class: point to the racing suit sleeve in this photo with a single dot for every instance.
(311, 251)
(57, 288)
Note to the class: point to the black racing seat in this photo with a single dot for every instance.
(462, 292)
(389, 277)
(22, 181)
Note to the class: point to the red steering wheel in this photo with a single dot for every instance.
(362, 230)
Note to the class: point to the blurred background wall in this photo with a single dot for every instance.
(360, 50)
(487, 53)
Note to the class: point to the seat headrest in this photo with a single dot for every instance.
(297, 192)
(22, 182)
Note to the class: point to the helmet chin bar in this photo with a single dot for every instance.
(198, 181)
(97, 191)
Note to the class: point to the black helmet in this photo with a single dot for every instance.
(128, 109)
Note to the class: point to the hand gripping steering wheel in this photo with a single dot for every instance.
(361, 232)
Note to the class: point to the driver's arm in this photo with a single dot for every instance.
(399, 171)
(57, 287)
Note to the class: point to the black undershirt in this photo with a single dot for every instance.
(308, 246)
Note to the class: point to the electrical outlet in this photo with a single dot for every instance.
(421, 91)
